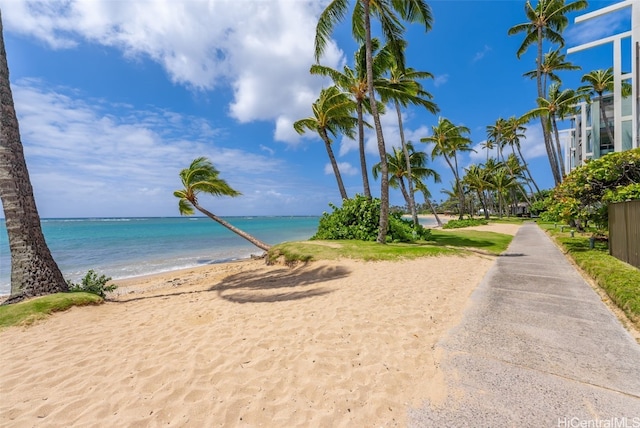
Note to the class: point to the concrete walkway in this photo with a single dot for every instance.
(536, 348)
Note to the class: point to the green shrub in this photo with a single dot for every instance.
(91, 283)
(457, 224)
(359, 218)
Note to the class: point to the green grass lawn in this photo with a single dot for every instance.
(29, 311)
(619, 280)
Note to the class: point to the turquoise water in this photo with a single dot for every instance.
(126, 247)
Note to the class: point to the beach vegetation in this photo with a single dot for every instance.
(332, 115)
(29, 311)
(467, 222)
(202, 177)
(545, 22)
(34, 272)
(390, 14)
(587, 191)
(358, 219)
(619, 280)
(92, 283)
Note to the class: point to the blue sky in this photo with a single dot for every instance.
(115, 97)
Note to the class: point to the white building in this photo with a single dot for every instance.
(588, 137)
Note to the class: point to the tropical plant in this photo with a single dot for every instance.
(448, 140)
(553, 61)
(599, 82)
(477, 180)
(389, 14)
(332, 114)
(34, 272)
(358, 219)
(403, 88)
(515, 133)
(546, 21)
(354, 82)
(496, 136)
(202, 177)
(92, 283)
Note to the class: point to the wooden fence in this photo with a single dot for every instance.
(624, 231)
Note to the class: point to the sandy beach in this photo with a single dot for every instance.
(341, 343)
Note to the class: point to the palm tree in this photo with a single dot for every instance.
(402, 87)
(332, 113)
(503, 181)
(202, 177)
(448, 140)
(495, 136)
(599, 82)
(546, 21)
(476, 180)
(422, 187)
(554, 107)
(398, 171)
(34, 272)
(553, 61)
(514, 133)
(387, 12)
(354, 82)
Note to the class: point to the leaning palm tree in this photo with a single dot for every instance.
(448, 140)
(332, 114)
(353, 81)
(389, 14)
(34, 272)
(422, 188)
(515, 133)
(402, 86)
(546, 21)
(202, 177)
(599, 82)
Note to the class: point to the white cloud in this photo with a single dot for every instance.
(440, 80)
(262, 49)
(345, 169)
(480, 54)
(83, 158)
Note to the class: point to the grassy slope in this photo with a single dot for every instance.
(29, 311)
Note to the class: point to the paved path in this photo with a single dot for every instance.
(536, 348)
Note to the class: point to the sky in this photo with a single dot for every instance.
(115, 97)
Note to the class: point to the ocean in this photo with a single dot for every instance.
(128, 247)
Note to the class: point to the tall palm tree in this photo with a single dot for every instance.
(476, 179)
(552, 108)
(599, 82)
(34, 272)
(332, 114)
(503, 181)
(546, 21)
(402, 86)
(398, 171)
(495, 136)
(422, 188)
(389, 14)
(552, 62)
(448, 140)
(202, 177)
(354, 82)
(515, 132)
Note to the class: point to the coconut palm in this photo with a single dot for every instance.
(515, 130)
(353, 81)
(599, 82)
(553, 61)
(476, 179)
(448, 140)
(554, 107)
(203, 177)
(389, 13)
(332, 114)
(398, 171)
(422, 188)
(546, 21)
(402, 86)
(34, 272)
(495, 136)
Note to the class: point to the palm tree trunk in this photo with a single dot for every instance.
(411, 201)
(363, 157)
(433, 210)
(460, 188)
(234, 229)
(34, 272)
(334, 163)
(554, 124)
(384, 167)
(526, 167)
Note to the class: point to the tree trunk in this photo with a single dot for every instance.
(334, 163)
(234, 229)
(34, 272)
(526, 167)
(460, 188)
(412, 200)
(384, 167)
(363, 157)
(554, 124)
(433, 210)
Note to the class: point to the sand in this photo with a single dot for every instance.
(341, 343)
